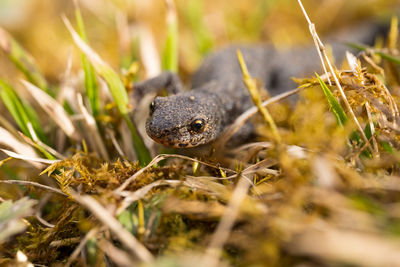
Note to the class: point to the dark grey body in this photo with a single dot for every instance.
(218, 95)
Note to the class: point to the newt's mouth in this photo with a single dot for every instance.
(165, 142)
(170, 139)
(174, 144)
(177, 137)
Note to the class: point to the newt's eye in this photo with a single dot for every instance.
(198, 125)
(152, 107)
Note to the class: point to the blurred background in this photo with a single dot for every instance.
(112, 27)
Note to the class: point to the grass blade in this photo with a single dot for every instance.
(117, 90)
(106, 72)
(22, 60)
(195, 16)
(11, 141)
(384, 55)
(255, 96)
(170, 53)
(55, 110)
(338, 111)
(22, 113)
(92, 131)
(14, 106)
(91, 86)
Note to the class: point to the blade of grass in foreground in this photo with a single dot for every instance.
(22, 113)
(91, 86)
(22, 60)
(170, 53)
(340, 115)
(117, 90)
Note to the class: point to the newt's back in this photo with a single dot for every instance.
(275, 68)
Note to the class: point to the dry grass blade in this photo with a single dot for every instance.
(92, 233)
(264, 145)
(255, 96)
(29, 158)
(40, 145)
(118, 256)
(30, 183)
(92, 130)
(125, 237)
(9, 140)
(221, 234)
(55, 110)
(262, 166)
(115, 143)
(148, 53)
(206, 184)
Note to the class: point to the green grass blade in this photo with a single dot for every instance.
(14, 106)
(170, 53)
(91, 86)
(22, 60)
(388, 57)
(141, 150)
(22, 112)
(384, 55)
(117, 90)
(340, 115)
(195, 17)
(112, 79)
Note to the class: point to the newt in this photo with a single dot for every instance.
(186, 119)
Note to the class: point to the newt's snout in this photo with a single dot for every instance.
(186, 120)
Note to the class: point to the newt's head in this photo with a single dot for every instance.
(185, 120)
